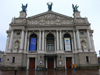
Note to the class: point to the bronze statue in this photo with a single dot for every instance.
(49, 6)
(24, 7)
(75, 8)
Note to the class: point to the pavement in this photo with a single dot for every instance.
(52, 72)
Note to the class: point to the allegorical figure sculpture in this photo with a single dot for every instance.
(75, 8)
(49, 6)
(24, 7)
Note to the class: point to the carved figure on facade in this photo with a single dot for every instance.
(17, 44)
(75, 8)
(24, 7)
(49, 6)
(83, 44)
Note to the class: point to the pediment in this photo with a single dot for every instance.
(50, 15)
(49, 18)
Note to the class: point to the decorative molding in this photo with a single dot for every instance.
(47, 32)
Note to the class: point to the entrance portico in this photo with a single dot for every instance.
(50, 61)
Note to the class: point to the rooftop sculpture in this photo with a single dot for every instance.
(49, 6)
(75, 8)
(24, 7)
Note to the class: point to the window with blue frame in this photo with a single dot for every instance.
(33, 42)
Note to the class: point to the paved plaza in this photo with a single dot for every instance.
(52, 72)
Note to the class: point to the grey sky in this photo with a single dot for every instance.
(11, 8)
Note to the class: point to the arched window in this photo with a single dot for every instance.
(50, 42)
(33, 42)
(67, 42)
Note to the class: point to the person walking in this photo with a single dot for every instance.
(74, 69)
(15, 69)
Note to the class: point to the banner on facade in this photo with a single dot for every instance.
(33, 44)
(67, 44)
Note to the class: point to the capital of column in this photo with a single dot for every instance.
(74, 30)
(56, 30)
(12, 29)
(23, 29)
(60, 30)
(87, 29)
(77, 29)
(42, 30)
(39, 30)
(26, 30)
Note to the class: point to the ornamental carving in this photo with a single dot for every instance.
(20, 21)
(31, 32)
(47, 32)
(50, 16)
(69, 32)
(50, 22)
(80, 21)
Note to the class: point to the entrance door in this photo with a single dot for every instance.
(32, 63)
(50, 63)
(68, 62)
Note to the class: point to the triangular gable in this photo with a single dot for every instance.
(49, 15)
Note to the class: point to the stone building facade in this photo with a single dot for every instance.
(1, 57)
(50, 41)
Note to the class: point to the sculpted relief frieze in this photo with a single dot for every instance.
(49, 19)
(20, 21)
(50, 16)
(49, 22)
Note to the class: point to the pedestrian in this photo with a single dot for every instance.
(15, 69)
(74, 69)
(38, 68)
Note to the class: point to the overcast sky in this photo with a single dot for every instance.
(88, 8)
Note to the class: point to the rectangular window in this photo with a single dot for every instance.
(13, 59)
(87, 59)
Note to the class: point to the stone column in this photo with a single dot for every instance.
(35, 63)
(55, 44)
(74, 41)
(37, 44)
(92, 44)
(65, 63)
(57, 41)
(40, 40)
(46, 63)
(88, 38)
(22, 41)
(72, 45)
(72, 60)
(78, 40)
(27, 63)
(60, 41)
(25, 42)
(7, 43)
(11, 39)
(28, 45)
(54, 62)
(45, 44)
